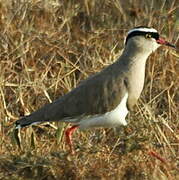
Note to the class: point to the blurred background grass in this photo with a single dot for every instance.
(46, 49)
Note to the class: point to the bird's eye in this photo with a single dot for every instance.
(148, 36)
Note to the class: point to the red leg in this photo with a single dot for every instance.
(156, 155)
(68, 134)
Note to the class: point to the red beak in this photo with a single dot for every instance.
(166, 43)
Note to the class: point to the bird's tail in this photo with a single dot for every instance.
(34, 118)
(25, 121)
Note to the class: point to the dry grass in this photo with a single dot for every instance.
(47, 48)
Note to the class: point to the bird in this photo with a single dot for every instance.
(105, 98)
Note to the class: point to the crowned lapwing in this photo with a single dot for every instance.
(104, 99)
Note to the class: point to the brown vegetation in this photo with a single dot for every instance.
(46, 49)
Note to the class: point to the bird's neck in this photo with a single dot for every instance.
(134, 61)
(133, 57)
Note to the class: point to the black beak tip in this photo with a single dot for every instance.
(170, 45)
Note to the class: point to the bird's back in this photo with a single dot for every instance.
(98, 94)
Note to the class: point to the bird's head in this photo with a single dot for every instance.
(145, 39)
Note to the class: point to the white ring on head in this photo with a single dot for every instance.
(142, 30)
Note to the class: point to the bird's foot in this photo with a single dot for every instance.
(69, 141)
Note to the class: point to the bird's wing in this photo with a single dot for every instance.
(97, 95)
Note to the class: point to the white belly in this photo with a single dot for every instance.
(113, 118)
